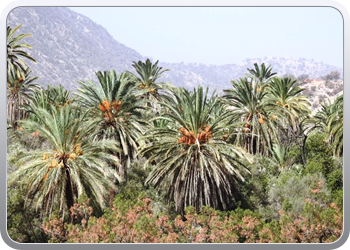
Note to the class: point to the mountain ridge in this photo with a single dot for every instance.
(69, 47)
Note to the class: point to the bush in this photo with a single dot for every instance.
(23, 223)
(320, 160)
(255, 189)
(135, 185)
(134, 221)
(289, 192)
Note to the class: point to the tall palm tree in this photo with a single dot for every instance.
(19, 91)
(16, 53)
(193, 163)
(322, 115)
(248, 104)
(147, 74)
(73, 165)
(286, 94)
(260, 75)
(335, 126)
(115, 109)
(329, 119)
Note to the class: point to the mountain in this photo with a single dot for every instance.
(69, 47)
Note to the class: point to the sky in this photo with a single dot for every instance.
(224, 35)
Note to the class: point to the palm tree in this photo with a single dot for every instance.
(19, 91)
(285, 93)
(193, 163)
(50, 98)
(115, 110)
(306, 125)
(322, 116)
(279, 155)
(16, 53)
(336, 126)
(38, 100)
(73, 165)
(147, 74)
(260, 75)
(285, 96)
(58, 95)
(248, 104)
(330, 118)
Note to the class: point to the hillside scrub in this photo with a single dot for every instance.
(133, 221)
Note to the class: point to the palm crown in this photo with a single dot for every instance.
(260, 74)
(19, 92)
(248, 104)
(194, 164)
(116, 110)
(74, 164)
(286, 93)
(16, 54)
(146, 80)
(330, 120)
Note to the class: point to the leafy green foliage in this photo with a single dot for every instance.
(290, 191)
(23, 224)
(320, 159)
(255, 190)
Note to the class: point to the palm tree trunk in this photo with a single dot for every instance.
(69, 194)
(15, 110)
(10, 116)
(252, 144)
(303, 158)
(122, 170)
(8, 112)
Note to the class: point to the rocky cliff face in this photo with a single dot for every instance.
(69, 47)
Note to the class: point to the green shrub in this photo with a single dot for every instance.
(23, 223)
(255, 189)
(289, 192)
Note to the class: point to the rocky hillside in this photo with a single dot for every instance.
(320, 91)
(70, 47)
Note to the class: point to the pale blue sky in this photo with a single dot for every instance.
(222, 35)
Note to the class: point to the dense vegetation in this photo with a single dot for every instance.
(132, 159)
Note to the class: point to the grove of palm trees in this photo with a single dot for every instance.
(128, 158)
